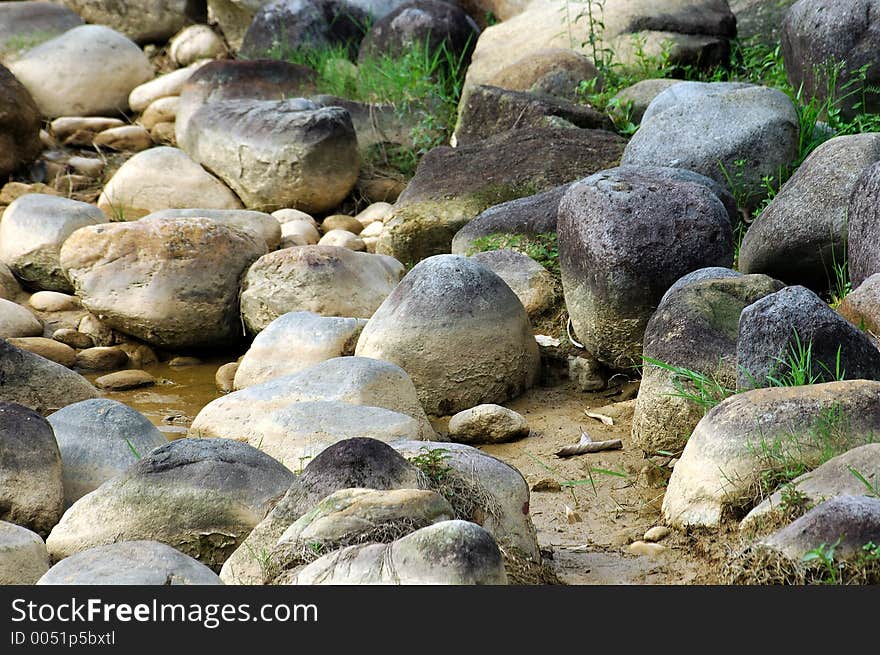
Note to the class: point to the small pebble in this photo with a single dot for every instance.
(547, 484)
(225, 376)
(122, 380)
(657, 533)
(644, 548)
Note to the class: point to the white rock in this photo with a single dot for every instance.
(196, 42)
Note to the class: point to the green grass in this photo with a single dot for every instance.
(543, 248)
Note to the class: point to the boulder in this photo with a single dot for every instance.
(454, 185)
(86, 71)
(721, 468)
(731, 133)
(625, 235)
(640, 95)
(23, 554)
(201, 496)
(50, 349)
(163, 178)
(800, 237)
(326, 280)
(38, 383)
(31, 494)
(782, 326)
(482, 349)
(10, 289)
(233, 17)
(533, 284)
(100, 358)
(555, 72)
(295, 341)
(861, 306)
(353, 380)
(99, 439)
(164, 86)
(53, 301)
(173, 283)
(861, 230)
(194, 43)
(33, 229)
(16, 321)
(259, 225)
(277, 153)
(143, 21)
(20, 123)
(487, 424)
(760, 20)
(24, 25)
(130, 563)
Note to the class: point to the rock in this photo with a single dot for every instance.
(224, 377)
(276, 153)
(201, 496)
(24, 25)
(233, 17)
(31, 494)
(760, 19)
(295, 341)
(89, 70)
(261, 226)
(625, 235)
(196, 42)
(341, 222)
(532, 283)
(37, 383)
(861, 307)
(169, 84)
(640, 95)
(130, 563)
(144, 21)
(163, 110)
(100, 332)
(708, 129)
(657, 533)
(163, 178)
(695, 326)
(181, 362)
(101, 358)
(353, 380)
(802, 233)
(482, 348)
(81, 130)
(547, 484)
(173, 283)
(722, 463)
(163, 134)
(376, 212)
(10, 289)
(23, 555)
(836, 477)
(426, 24)
(298, 233)
(449, 552)
(862, 234)
(817, 34)
(487, 110)
(52, 350)
(230, 80)
(487, 424)
(32, 231)
(16, 321)
(139, 355)
(87, 166)
(551, 71)
(122, 380)
(285, 216)
(343, 239)
(453, 185)
(587, 373)
(99, 439)
(645, 548)
(326, 280)
(131, 138)
(295, 434)
(73, 338)
(20, 123)
(53, 301)
(778, 328)
(352, 463)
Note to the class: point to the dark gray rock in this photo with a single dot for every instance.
(20, 122)
(625, 236)
(24, 25)
(760, 19)
(641, 94)
(143, 21)
(863, 226)
(771, 329)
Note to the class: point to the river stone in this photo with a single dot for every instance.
(259, 225)
(452, 186)
(277, 153)
(10, 289)
(201, 496)
(343, 239)
(770, 329)
(73, 338)
(722, 463)
(832, 479)
(98, 330)
(24, 25)
(20, 123)
(124, 380)
(352, 463)
(130, 563)
(101, 358)
(173, 283)
(53, 301)
(532, 283)
(449, 552)
(326, 280)
(163, 178)
(353, 380)
(50, 349)
(38, 383)
(23, 555)
(87, 71)
(625, 235)
(98, 440)
(143, 21)
(861, 306)
(296, 433)
(862, 232)
(707, 129)
(695, 327)
(163, 86)
(32, 231)
(640, 95)
(16, 321)
(555, 72)
(233, 17)
(234, 79)
(299, 233)
(802, 233)
(760, 20)
(295, 341)
(487, 424)
(481, 345)
(31, 494)
(194, 43)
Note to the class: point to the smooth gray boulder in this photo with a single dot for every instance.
(481, 347)
(23, 555)
(17, 321)
(862, 226)
(130, 563)
(31, 492)
(99, 439)
(258, 224)
(201, 496)
(625, 236)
